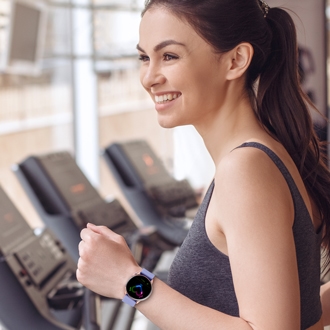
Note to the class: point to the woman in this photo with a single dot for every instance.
(251, 259)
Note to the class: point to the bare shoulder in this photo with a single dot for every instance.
(241, 161)
(247, 179)
(251, 167)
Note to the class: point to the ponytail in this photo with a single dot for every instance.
(283, 109)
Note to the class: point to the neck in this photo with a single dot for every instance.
(229, 127)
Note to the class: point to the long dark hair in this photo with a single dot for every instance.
(280, 104)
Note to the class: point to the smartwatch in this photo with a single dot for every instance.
(138, 287)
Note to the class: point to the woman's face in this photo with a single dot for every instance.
(180, 71)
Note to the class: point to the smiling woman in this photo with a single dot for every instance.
(179, 59)
(251, 259)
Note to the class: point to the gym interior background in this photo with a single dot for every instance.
(70, 82)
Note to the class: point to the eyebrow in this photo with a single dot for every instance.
(162, 45)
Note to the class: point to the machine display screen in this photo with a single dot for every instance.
(69, 180)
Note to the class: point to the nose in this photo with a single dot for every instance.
(151, 75)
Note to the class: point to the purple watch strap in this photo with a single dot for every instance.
(147, 274)
(129, 300)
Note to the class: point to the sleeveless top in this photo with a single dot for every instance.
(202, 272)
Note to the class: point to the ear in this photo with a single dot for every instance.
(241, 57)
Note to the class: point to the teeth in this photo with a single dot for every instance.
(166, 97)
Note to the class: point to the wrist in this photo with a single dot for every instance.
(136, 269)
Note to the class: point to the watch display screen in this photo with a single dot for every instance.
(138, 287)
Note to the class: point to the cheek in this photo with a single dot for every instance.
(200, 79)
(210, 85)
(203, 94)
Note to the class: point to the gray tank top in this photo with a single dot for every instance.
(202, 273)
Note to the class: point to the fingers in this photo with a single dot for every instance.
(105, 231)
(80, 272)
(102, 230)
(78, 275)
(88, 235)
(97, 238)
(81, 249)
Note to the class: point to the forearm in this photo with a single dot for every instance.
(169, 309)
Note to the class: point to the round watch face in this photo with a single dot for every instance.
(139, 287)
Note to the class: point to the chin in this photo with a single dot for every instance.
(166, 122)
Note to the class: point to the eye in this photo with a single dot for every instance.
(143, 58)
(169, 57)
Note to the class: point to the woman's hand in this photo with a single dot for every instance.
(106, 262)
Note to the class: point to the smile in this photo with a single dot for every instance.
(166, 97)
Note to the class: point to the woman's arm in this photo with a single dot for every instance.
(325, 300)
(255, 213)
(105, 266)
